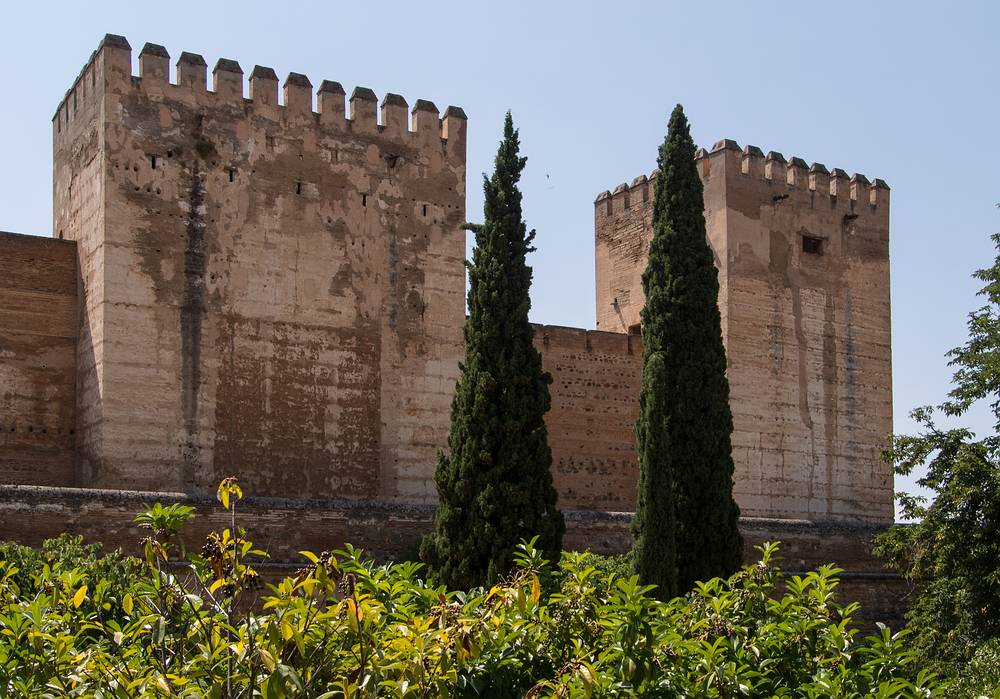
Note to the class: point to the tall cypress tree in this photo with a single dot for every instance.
(653, 528)
(495, 485)
(681, 323)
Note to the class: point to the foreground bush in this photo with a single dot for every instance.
(344, 627)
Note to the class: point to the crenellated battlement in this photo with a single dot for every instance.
(109, 69)
(797, 174)
(565, 339)
(750, 165)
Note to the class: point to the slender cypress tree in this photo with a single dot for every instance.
(495, 485)
(681, 323)
(654, 523)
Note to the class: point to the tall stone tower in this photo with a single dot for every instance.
(267, 290)
(803, 259)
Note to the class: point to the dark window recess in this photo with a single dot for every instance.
(364, 200)
(298, 188)
(232, 174)
(635, 329)
(425, 209)
(812, 246)
(152, 161)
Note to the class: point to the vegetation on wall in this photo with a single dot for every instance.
(685, 425)
(495, 484)
(344, 627)
(951, 553)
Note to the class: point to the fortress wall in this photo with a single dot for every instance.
(282, 293)
(623, 229)
(809, 342)
(38, 327)
(595, 402)
(277, 293)
(78, 210)
(807, 335)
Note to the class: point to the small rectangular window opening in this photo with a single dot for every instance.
(811, 245)
(152, 161)
(232, 174)
(635, 329)
(298, 188)
(425, 209)
(364, 200)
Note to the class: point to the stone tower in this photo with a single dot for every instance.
(267, 290)
(803, 259)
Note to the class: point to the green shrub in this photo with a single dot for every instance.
(344, 627)
(35, 567)
(980, 677)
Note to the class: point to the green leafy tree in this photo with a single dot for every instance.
(653, 528)
(495, 485)
(682, 326)
(951, 554)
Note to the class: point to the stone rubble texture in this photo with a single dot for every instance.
(245, 286)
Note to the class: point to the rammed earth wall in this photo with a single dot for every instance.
(38, 328)
(268, 291)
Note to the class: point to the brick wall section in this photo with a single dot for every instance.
(807, 336)
(38, 327)
(595, 402)
(270, 291)
(392, 530)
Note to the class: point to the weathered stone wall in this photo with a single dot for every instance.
(38, 328)
(269, 291)
(282, 527)
(78, 181)
(807, 334)
(595, 402)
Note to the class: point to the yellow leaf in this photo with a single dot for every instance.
(80, 595)
(224, 498)
(215, 586)
(352, 610)
(162, 682)
(313, 558)
(127, 604)
(536, 589)
(267, 659)
(286, 629)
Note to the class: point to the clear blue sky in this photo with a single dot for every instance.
(905, 91)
